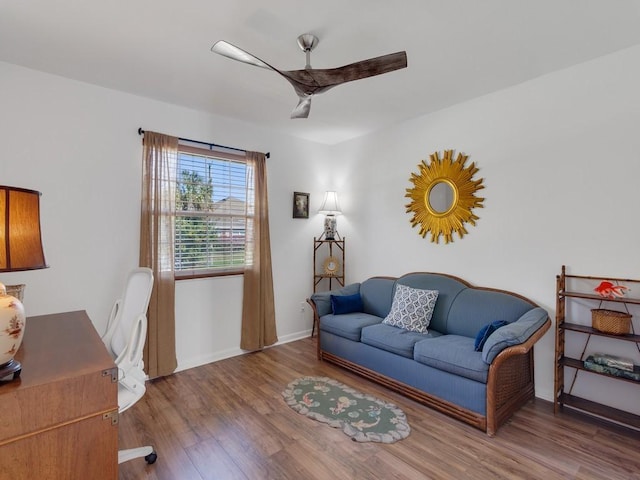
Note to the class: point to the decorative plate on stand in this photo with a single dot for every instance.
(331, 266)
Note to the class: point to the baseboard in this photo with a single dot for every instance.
(293, 337)
(234, 352)
(209, 358)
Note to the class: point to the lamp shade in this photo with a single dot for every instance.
(330, 205)
(20, 235)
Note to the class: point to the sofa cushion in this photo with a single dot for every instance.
(348, 325)
(377, 295)
(341, 304)
(514, 334)
(448, 288)
(412, 308)
(485, 332)
(322, 300)
(473, 308)
(393, 339)
(453, 354)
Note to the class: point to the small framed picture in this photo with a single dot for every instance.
(300, 205)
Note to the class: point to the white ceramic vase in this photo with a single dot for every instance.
(330, 227)
(12, 322)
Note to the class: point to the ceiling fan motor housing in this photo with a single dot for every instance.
(307, 42)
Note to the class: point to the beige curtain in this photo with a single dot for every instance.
(258, 310)
(160, 156)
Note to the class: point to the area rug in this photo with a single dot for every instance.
(362, 417)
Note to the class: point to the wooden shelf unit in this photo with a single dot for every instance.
(562, 397)
(332, 248)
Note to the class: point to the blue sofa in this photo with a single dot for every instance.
(440, 367)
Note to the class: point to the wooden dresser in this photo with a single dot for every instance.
(59, 420)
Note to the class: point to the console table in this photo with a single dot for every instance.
(59, 419)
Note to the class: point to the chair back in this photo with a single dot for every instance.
(134, 302)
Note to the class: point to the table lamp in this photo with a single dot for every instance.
(330, 207)
(20, 249)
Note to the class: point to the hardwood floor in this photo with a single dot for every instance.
(227, 420)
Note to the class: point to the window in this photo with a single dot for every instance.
(212, 212)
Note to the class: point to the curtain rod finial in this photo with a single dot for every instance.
(140, 131)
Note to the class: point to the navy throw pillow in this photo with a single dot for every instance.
(341, 304)
(486, 331)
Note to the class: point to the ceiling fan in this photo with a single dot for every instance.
(311, 81)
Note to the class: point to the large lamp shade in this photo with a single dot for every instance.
(330, 205)
(20, 249)
(20, 237)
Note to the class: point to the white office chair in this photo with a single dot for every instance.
(125, 337)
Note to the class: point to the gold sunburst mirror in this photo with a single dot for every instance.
(443, 196)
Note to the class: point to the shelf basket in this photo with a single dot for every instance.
(610, 321)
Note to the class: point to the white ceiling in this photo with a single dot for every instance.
(457, 50)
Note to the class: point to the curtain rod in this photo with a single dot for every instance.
(268, 154)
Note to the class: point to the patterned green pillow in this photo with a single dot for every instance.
(412, 308)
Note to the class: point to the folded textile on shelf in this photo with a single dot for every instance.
(590, 364)
(622, 363)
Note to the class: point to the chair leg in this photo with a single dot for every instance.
(148, 453)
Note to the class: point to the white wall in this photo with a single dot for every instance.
(559, 156)
(78, 144)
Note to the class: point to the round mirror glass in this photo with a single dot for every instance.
(441, 197)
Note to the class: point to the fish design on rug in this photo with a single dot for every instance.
(341, 405)
(307, 400)
(361, 424)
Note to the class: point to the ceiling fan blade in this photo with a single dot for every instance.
(371, 67)
(231, 51)
(228, 50)
(319, 80)
(303, 107)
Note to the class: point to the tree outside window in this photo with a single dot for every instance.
(211, 214)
